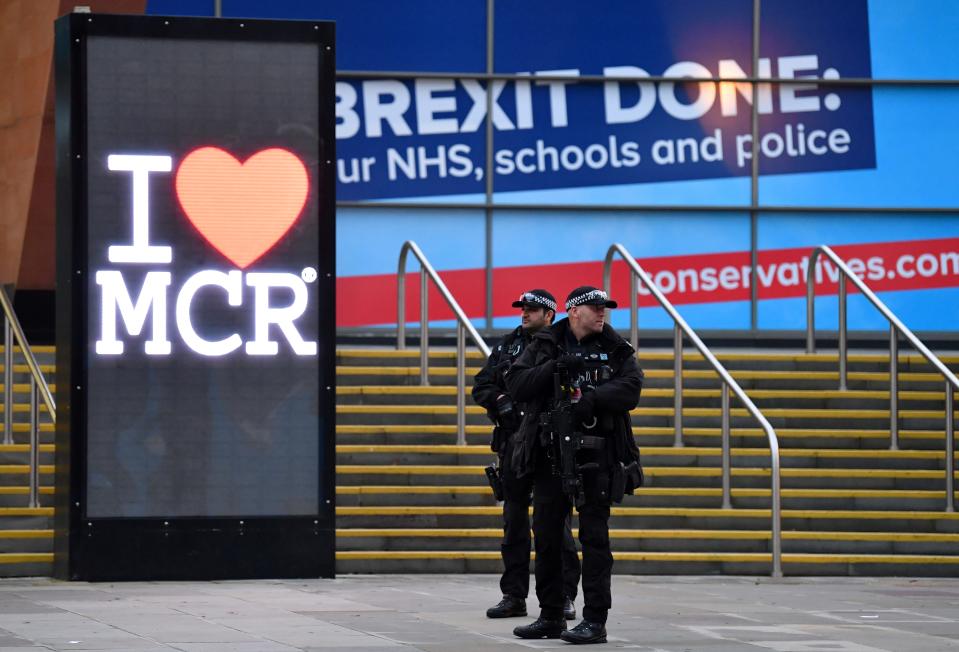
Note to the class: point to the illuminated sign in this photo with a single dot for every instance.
(196, 234)
(242, 210)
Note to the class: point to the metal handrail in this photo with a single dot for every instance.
(680, 328)
(38, 389)
(895, 328)
(463, 326)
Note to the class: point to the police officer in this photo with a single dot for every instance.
(489, 390)
(607, 381)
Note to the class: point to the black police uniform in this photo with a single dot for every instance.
(515, 549)
(611, 382)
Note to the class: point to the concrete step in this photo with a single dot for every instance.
(630, 517)
(816, 542)
(660, 476)
(693, 456)
(877, 438)
(663, 563)
(660, 496)
(664, 358)
(26, 541)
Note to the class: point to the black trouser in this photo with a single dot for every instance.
(551, 511)
(516, 540)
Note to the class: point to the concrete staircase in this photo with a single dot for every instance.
(410, 500)
(26, 534)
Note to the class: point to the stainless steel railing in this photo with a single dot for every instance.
(463, 326)
(13, 333)
(681, 328)
(895, 328)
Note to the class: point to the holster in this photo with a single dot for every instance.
(495, 478)
(633, 473)
(497, 442)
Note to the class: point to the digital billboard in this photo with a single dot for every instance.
(202, 225)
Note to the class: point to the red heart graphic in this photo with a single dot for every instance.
(242, 209)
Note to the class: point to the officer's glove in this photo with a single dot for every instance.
(506, 412)
(574, 364)
(584, 410)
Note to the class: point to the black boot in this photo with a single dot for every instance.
(569, 610)
(508, 607)
(586, 632)
(541, 628)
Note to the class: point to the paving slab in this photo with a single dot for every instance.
(433, 613)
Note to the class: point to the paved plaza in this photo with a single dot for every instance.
(446, 612)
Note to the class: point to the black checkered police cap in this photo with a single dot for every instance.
(536, 299)
(587, 295)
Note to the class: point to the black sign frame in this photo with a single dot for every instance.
(108, 549)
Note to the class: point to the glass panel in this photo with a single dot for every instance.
(914, 39)
(368, 243)
(702, 275)
(910, 261)
(915, 136)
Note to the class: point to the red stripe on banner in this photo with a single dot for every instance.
(702, 278)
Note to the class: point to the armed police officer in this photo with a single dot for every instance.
(579, 380)
(489, 390)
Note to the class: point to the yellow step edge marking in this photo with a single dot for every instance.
(403, 390)
(24, 491)
(344, 429)
(738, 492)
(26, 534)
(24, 388)
(348, 490)
(412, 469)
(720, 557)
(25, 369)
(665, 471)
(652, 431)
(23, 407)
(26, 557)
(37, 348)
(25, 448)
(654, 451)
(752, 535)
(655, 355)
(25, 427)
(351, 370)
(26, 511)
(660, 411)
(654, 392)
(741, 374)
(24, 468)
(413, 510)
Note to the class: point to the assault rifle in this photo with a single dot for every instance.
(564, 441)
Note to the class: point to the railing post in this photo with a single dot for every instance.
(950, 450)
(424, 328)
(401, 301)
(777, 517)
(894, 388)
(842, 330)
(633, 312)
(7, 380)
(727, 453)
(811, 304)
(34, 444)
(460, 384)
(678, 384)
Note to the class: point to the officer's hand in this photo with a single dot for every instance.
(573, 363)
(584, 410)
(506, 411)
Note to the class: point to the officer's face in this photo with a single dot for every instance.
(535, 318)
(590, 318)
